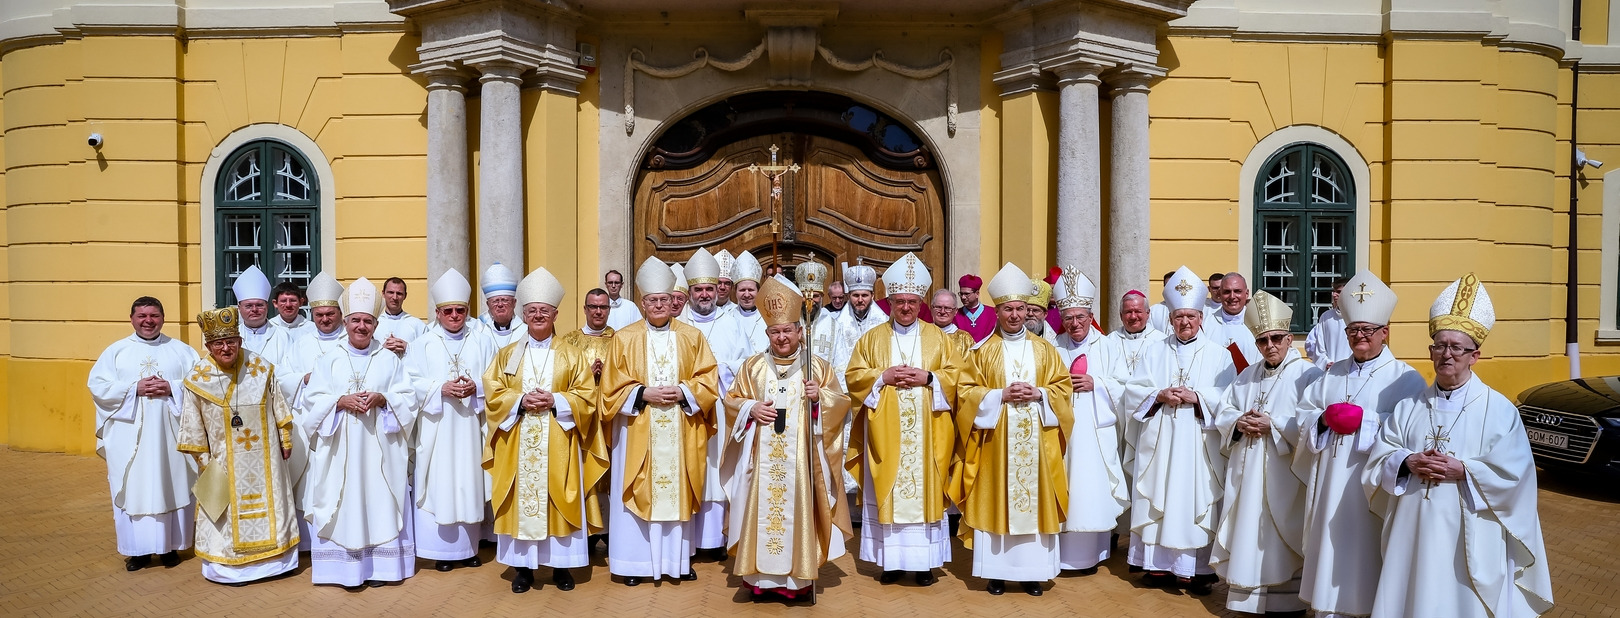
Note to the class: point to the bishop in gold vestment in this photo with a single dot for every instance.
(592, 340)
(658, 393)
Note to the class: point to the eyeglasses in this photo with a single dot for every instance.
(1361, 331)
(1276, 339)
(596, 307)
(453, 310)
(1450, 349)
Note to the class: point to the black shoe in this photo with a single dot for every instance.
(472, 562)
(1090, 571)
(996, 587)
(718, 554)
(1201, 585)
(170, 560)
(925, 578)
(1293, 614)
(136, 563)
(1031, 588)
(1157, 579)
(590, 541)
(523, 581)
(563, 579)
(690, 576)
(632, 581)
(955, 522)
(888, 577)
(372, 583)
(442, 566)
(1135, 569)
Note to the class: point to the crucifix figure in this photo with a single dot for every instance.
(775, 172)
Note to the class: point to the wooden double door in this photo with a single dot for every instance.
(839, 207)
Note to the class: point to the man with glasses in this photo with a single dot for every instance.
(621, 312)
(1453, 473)
(500, 288)
(942, 308)
(1338, 420)
(1257, 542)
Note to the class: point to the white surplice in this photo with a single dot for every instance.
(1327, 343)
(1098, 492)
(1225, 329)
(728, 339)
(1468, 548)
(1258, 547)
(512, 333)
(137, 436)
(1341, 553)
(753, 327)
(269, 342)
(1175, 502)
(621, 313)
(297, 329)
(403, 325)
(449, 482)
(359, 486)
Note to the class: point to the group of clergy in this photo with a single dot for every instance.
(731, 415)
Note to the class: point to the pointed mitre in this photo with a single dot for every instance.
(1185, 290)
(746, 269)
(1365, 298)
(499, 281)
(702, 268)
(251, 284)
(654, 277)
(324, 291)
(725, 259)
(1463, 306)
(859, 277)
(540, 287)
(1042, 295)
(811, 276)
(680, 277)
(361, 297)
(1074, 290)
(218, 324)
(780, 301)
(1267, 313)
(907, 275)
(450, 289)
(1009, 284)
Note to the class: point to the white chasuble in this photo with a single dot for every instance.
(1098, 493)
(137, 435)
(534, 457)
(449, 482)
(664, 436)
(915, 405)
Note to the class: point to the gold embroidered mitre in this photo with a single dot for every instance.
(218, 324)
(1267, 313)
(1074, 290)
(780, 301)
(1463, 306)
(812, 277)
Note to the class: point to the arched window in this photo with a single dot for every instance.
(267, 212)
(1304, 228)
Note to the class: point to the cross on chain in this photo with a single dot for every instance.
(1182, 377)
(456, 369)
(357, 382)
(149, 367)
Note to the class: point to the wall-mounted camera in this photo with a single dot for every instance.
(95, 140)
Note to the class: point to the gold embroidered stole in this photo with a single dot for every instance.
(245, 451)
(664, 435)
(1021, 428)
(907, 500)
(534, 450)
(781, 462)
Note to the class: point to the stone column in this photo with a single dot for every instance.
(447, 216)
(500, 167)
(1129, 223)
(1079, 174)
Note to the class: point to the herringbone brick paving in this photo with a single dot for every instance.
(57, 558)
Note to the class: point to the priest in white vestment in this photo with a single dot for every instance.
(622, 311)
(729, 342)
(136, 385)
(1013, 420)
(860, 315)
(359, 409)
(1327, 343)
(657, 395)
(1225, 327)
(1175, 502)
(238, 428)
(397, 328)
(449, 485)
(293, 372)
(1159, 313)
(500, 318)
(252, 292)
(1454, 479)
(1339, 417)
(903, 444)
(811, 277)
(545, 445)
(1098, 373)
(287, 299)
(747, 276)
(1258, 547)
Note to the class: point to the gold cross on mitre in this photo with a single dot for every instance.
(1362, 294)
(1184, 287)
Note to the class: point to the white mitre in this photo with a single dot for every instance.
(450, 289)
(1185, 290)
(680, 277)
(1074, 290)
(1463, 306)
(702, 268)
(251, 284)
(654, 277)
(859, 277)
(499, 281)
(1010, 284)
(908, 275)
(324, 291)
(361, 297)
(725, 260)
(1365, 298)
(540, 287)
(746, 269)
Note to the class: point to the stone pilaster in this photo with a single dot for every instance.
(1129, 224)
(1079, 174)
(500, 166)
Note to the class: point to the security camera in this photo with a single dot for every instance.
(1582, 161)
(95, 140)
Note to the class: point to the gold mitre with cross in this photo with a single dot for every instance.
(780, 301)
(1365, 298)
(907, 275)
(218, 324)
(1043, 293)
(811, 276)
(1463, 306)
(1010, 284)
(1267, 313)
(1185, 290)
(1074, 290)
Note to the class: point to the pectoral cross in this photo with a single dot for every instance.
(1436, 440)
(357, 382)
(1181, 377)
(149, 368)
(456, 369)
(775, 172)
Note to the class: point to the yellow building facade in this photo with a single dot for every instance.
(1450, 125)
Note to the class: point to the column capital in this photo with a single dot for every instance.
(500, 71)
(1022, 78)
(443, 75)
(1077, 68)
(1132, 79)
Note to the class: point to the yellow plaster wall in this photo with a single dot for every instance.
(1028, 181)
(990, 175)
(550, 147)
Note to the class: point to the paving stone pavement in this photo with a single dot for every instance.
(57, 558)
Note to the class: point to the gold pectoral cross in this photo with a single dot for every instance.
(1436, 439)
(357, 382)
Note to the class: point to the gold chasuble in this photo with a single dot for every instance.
(235, 422)
(666, 450)
(789, 485)
(963, 340)
(593, 347)
(540, 469)
(1012, 480)
(904, 443)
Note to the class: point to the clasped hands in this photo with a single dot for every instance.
(901, 376)
(1253, 424)
(395, 345)
(153, 386)
(1020, 392)
(1432, 466)
(764, 412)
(662, 395)
(359, 403)
(1178, 396)
(1082, 383)
(459, 388)
(537, 399)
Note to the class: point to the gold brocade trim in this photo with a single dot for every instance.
(271, 553)
(192, 448)
(1467, 326)
(664, 436)
(1022, 444)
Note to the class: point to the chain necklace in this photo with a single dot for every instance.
(1351, 398)
(357, 379)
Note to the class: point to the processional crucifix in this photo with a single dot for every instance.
(775, 172)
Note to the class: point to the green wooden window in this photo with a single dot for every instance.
(1304, 228)
(267, 212)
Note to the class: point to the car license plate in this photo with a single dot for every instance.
(1547, 438)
